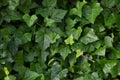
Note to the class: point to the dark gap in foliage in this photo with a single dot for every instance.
(27, 64)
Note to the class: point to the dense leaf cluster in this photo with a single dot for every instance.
(59, 39)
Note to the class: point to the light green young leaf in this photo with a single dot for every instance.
(78, 10)
(54, 37)
(30, 75)
(30, 20)
(92, 11)
(64, 51)
(78, 53)
(69, 40)
(89, 36)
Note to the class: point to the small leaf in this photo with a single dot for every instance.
(30, 20)
(69, 40)
(92, 11)
(6, 71)
(64, 51)
(78, 10)
(27, 37)
(47, 41)
(78, 53)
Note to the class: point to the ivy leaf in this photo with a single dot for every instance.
(49, 3)
(13, 4)
(47, 41)
(11, 77)
(69, 40)
(61, 74)
(27, 37)
(108, 3)
(58, 14)
(77, 33)
(78, 53)
(101, 51)
(30, 75)
(64, 51)
(109, 65)
(89, 36)
(108, 41)
(92, 11)
(48, 21)
(54, 37)
(78, 10)
(30, 20)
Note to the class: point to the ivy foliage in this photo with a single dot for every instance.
(59, 39)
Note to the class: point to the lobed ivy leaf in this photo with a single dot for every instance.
(64, 51)
(13, 4)
(89, 36)
(90, 12)
(101, 51)
(30, 75)
(30, 20)
(78, 10)
(69, 40)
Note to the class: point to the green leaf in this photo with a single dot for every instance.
(58, 14)
(110, 20)
(90, 12)
(12, 15)
(77, 33)
(61, 74)
(54, 37)
(78, 53)
(27, 37)
(30, 20)
(64, 51)
(109, 65)
(47, 41)
(108, 41)
(30, 75)
(13, 4)
(89, 36)
(101, 51)
(108, 3)
(48, 21)
(78, 10)
(69, 40)
(11, 77)
(49, 3)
